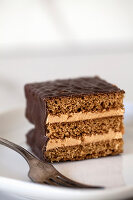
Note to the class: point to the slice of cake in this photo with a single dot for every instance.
(75, 119)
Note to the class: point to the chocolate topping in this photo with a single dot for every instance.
(72, 87)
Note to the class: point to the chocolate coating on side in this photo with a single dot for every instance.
(72, 87)
(37, 142)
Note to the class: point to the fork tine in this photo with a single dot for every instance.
(52, 182)
(60, 181)
(77, 184)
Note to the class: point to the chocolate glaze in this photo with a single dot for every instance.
(72, 87)
(37, 141)
(37, 94)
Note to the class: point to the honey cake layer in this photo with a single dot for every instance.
(79, 152)
(85, 127)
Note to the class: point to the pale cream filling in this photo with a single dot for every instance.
(82, 116)
(55, 143)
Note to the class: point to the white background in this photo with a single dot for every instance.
(48, 23)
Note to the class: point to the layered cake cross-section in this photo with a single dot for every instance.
(75, 119)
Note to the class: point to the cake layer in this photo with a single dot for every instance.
(86, 127)
(83, 116)
(55, 143)
(85, 103)
(37, 141)
(91, 150)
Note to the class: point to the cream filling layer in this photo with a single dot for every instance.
(82, 116)
(55, 143)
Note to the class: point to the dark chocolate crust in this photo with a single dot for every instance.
(37, 142)
(36, 111)
(72, 87)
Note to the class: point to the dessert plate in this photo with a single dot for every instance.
(115, 173)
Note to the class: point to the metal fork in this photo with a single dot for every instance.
(44, 172)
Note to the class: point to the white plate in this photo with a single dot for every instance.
(115, 173)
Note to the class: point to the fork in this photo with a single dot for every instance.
(43, 172)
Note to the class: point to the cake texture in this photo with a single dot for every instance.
(75, 119)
